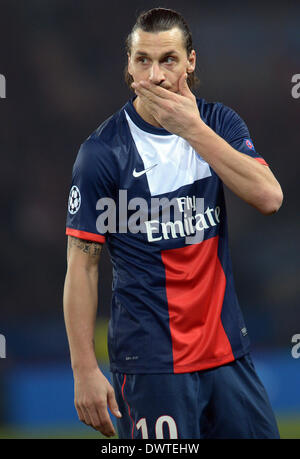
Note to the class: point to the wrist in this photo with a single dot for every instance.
(196, 130)
(84, 367)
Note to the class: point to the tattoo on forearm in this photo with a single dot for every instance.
(89, 247)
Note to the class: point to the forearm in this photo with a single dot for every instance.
(80, 309)
(245, 176)
(179, 114)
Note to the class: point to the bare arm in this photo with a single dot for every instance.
(93, 392)
(245, 176)
(179, 114)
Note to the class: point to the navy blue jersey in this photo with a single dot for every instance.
(160, 208)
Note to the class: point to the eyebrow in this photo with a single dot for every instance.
(143, 53)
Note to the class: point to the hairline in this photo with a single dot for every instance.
(157, 32)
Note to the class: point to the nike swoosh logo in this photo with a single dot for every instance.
(138, 174)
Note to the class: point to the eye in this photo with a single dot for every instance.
(143, 60)
(169, 60)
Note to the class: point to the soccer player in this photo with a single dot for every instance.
(149, 183)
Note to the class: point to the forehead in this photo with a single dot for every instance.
(157, 42)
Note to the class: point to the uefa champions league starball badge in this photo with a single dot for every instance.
(74, 200)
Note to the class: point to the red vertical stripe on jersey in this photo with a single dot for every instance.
(198, 337)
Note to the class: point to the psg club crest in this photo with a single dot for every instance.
(74, 200)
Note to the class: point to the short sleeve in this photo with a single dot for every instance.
(235, 131)
(93, 185)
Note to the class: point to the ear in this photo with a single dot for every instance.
(191, 63)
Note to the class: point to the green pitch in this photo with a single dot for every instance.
(289, 427)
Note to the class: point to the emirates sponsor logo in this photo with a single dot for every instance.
(181, 217)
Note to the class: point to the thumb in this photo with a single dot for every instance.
(112, 403)
(183, 85)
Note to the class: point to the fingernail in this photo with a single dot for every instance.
(118, 414)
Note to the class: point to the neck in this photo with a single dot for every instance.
(143, 112)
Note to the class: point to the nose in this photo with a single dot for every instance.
(156, 75)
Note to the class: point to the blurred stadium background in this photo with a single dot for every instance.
(63, 63)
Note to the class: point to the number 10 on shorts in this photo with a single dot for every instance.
(159, 434)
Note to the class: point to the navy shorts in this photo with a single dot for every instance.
(224, 402)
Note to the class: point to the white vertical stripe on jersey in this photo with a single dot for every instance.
(178, 164)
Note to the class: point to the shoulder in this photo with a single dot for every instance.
(103, 137)
(101, 146)
(105, 133)
(220, 117)
(215, 110)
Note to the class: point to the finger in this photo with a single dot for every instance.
(147, 96)
(86, 416)
(94, 418)
(154, 92)
(104, 426)
(112, 404)
(158, 91)
(149, 103)
(105, 423)
(80, 414)
(183, 85)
